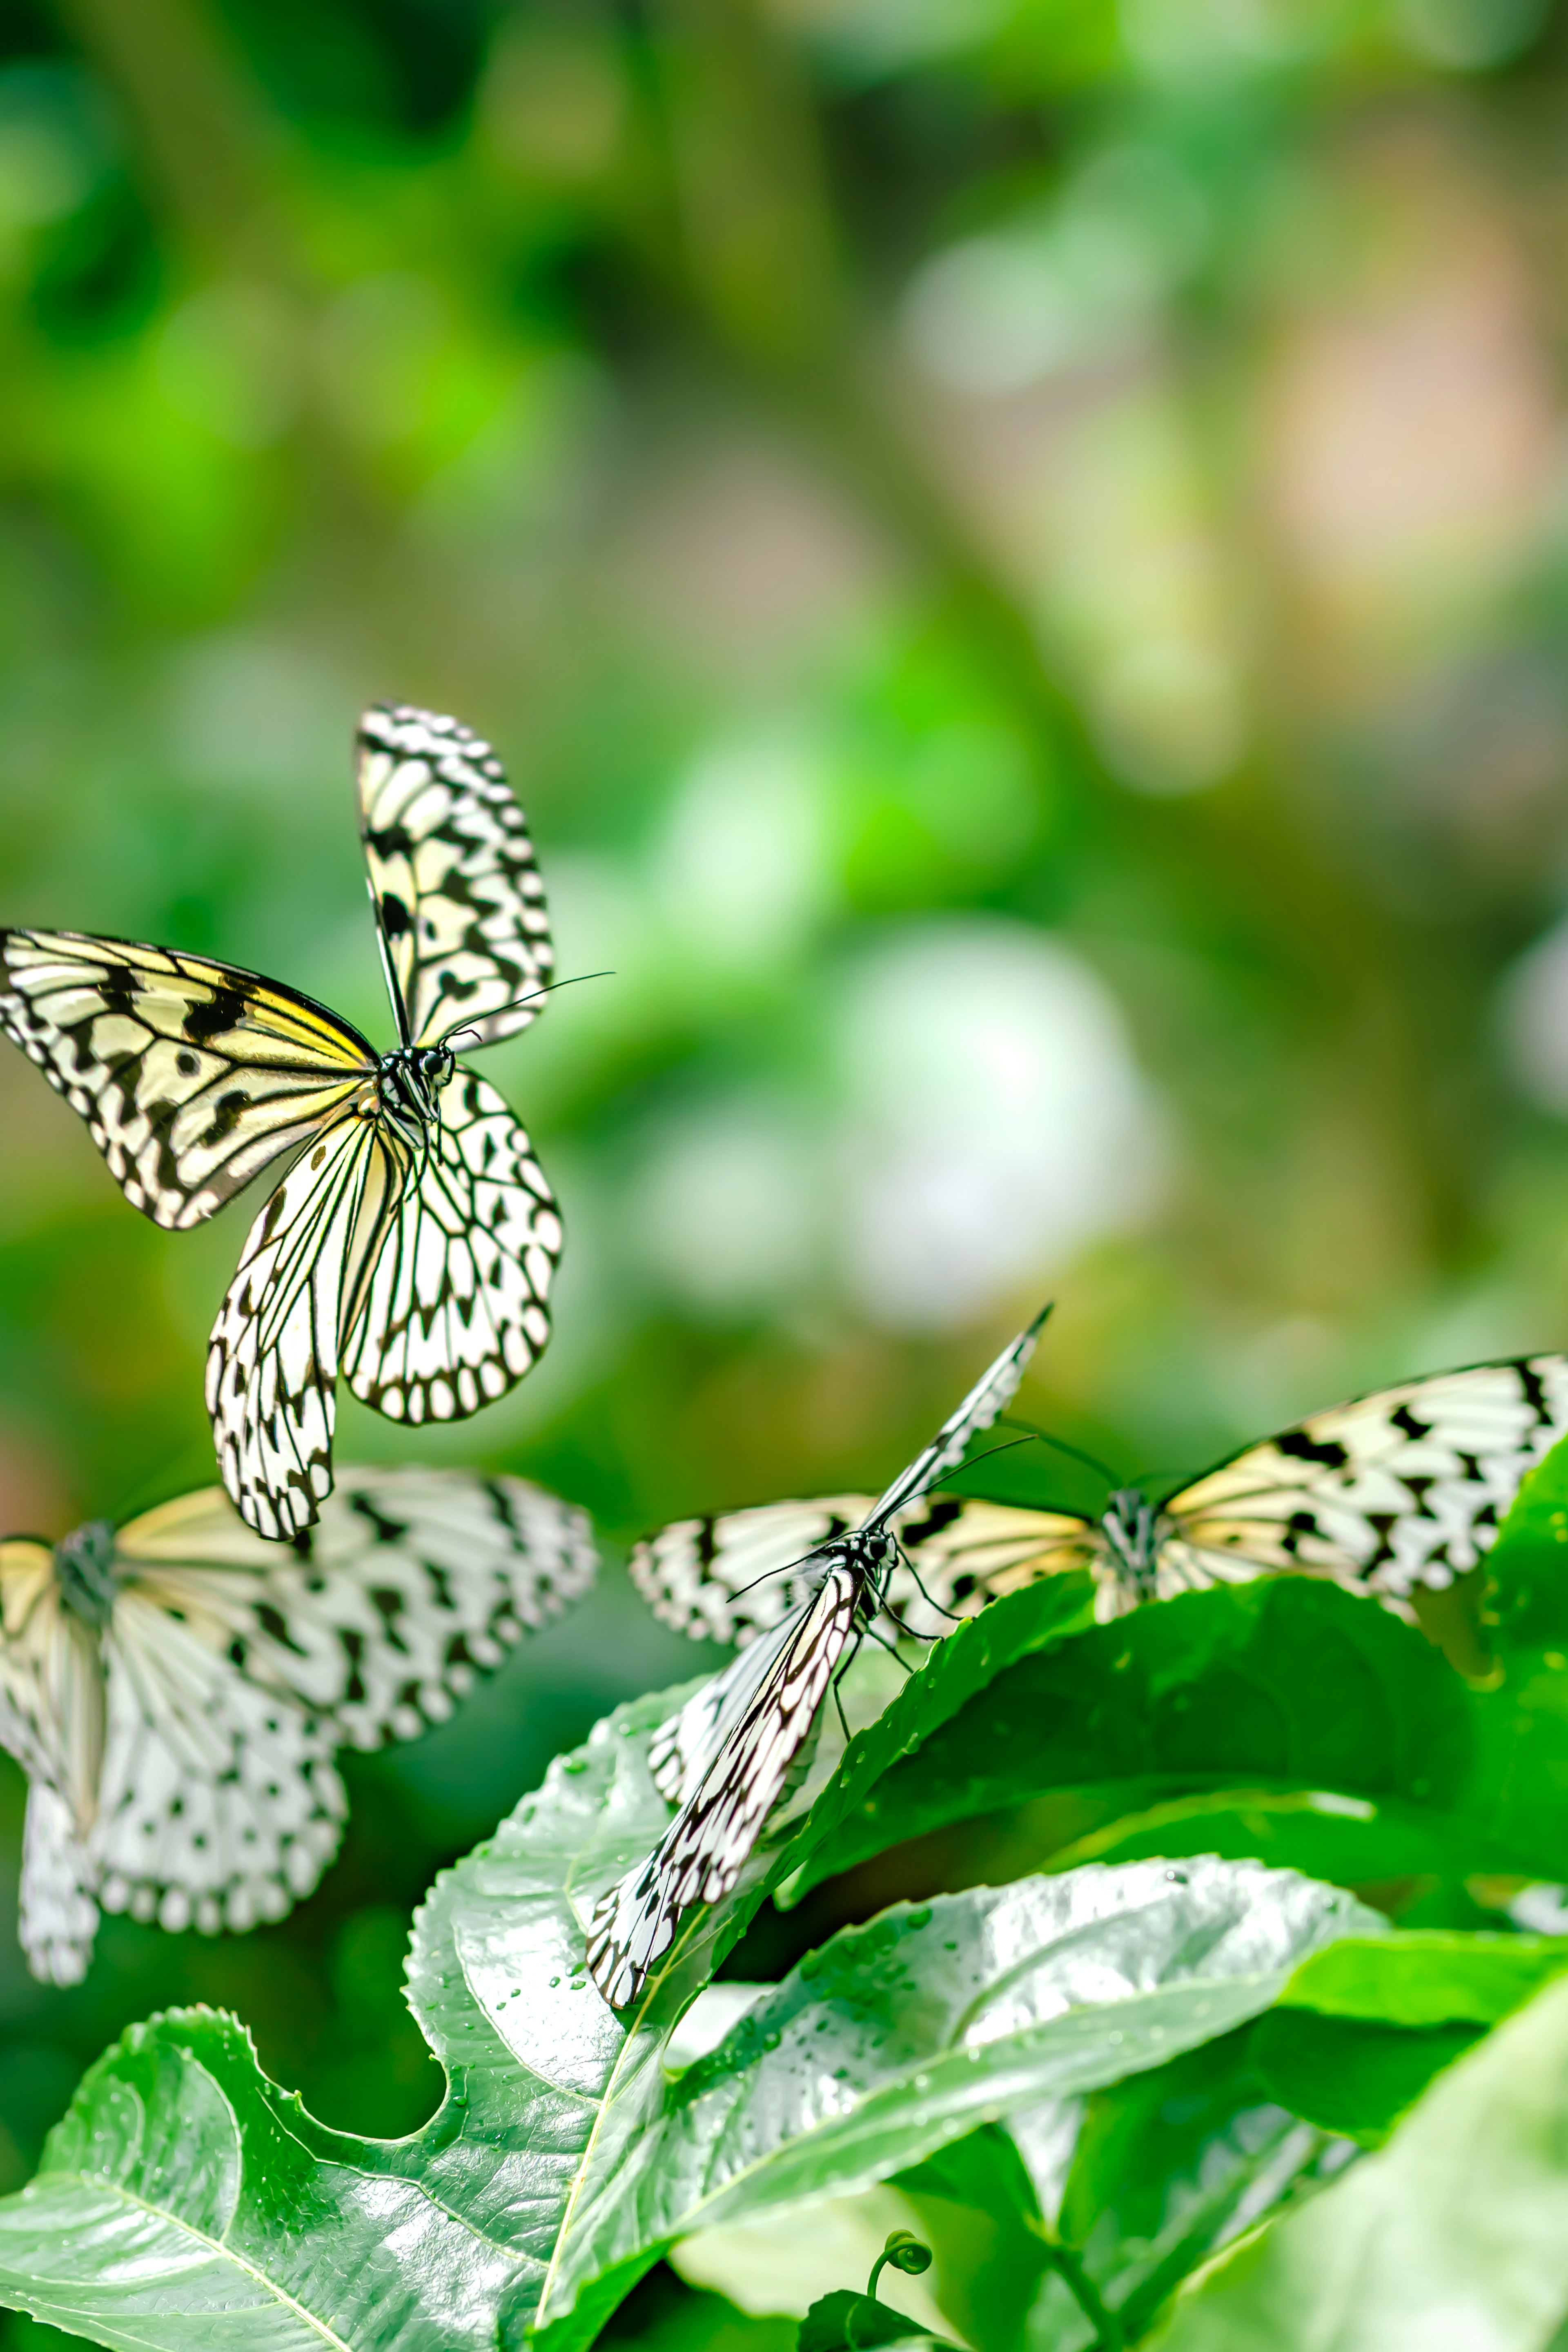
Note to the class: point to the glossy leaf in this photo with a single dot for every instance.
(1454, 2234)
(906, 2034)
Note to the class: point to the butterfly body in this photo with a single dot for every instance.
(1132, 1530)
(411, 1243)
(735, 1747)
(411, 1080)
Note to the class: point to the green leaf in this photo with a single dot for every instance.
(184, 2189)
(953, 1675)
(1413, 1978)
(1361, 2031)
(1353, 1841)
(907, 2033)
(1350, 2078)
(1456, 2232)
(1251, 1697)
(846, 2321)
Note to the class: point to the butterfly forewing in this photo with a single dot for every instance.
(992, 1392)
(190, 1075)
(756, 1743)
(1390, 1492)
(272, 1361)
(455, 1307)
(452, 877)
(409, 1583)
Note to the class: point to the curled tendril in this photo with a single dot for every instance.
(902, 2251)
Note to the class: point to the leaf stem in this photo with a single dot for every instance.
(1069, 2269)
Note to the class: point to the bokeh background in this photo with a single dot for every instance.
(1016, 552)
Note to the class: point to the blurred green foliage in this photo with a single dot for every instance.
(1017, 556)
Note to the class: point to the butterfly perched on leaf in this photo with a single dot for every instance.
(1402, 1489)
(410, 1246)
(727, 1757)
(175, 1688)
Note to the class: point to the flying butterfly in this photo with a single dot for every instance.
(410, 1246)
(727, 1757)
(1402, 1489)
(175, 1689)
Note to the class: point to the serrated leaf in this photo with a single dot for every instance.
(228, 2199)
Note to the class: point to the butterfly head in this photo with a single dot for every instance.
(84, 1562)
(410, 1084)
(1131, 1526)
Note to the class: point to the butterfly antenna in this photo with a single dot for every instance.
(1061, 1447)
(786, 1567)
(466, 1029)
(946, 1477)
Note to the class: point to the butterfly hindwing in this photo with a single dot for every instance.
(190, 1075)
(274, 1354)
(1404, 1488)
(452, 877)
(455, 1307)
(724, 1579)
(219, 1805)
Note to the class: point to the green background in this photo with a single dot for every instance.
(1018, 558)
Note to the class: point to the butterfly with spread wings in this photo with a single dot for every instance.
(175, 1689)
(410, 1246)
(1391, 1492)
(727, 1757)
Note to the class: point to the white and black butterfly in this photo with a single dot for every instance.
(410, 1247)
(726, 1758)
(1384, 1495)
(175, 1689)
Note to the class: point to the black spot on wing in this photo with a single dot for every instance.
(395, 919)
(223, 1011)
(1301, 1446)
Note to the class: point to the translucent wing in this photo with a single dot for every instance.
(52, 1717)
(219, 1803)
(992, 1392)
(273, 1360)
(410, 1582)
(455, 1304)
(1403, 1488)
(456, 894)
(723, 1578)
(190, 1075)
(774, 1690)
(958, 1555)
(57, 1905)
